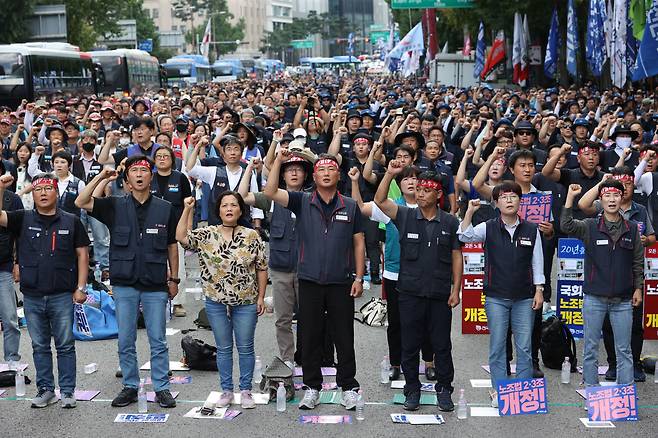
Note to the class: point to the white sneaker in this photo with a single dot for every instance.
(494, 399)
(349, 399)
(311, 399)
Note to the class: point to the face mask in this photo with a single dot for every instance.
(623, 142)
(181, 128)
(89, 147)
(123, 141)
(187, 111)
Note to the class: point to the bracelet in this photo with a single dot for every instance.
(83, 290)
(173, 280)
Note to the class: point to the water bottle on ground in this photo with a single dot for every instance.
(360, 405)
(20, 381)
(142, 404)
(385, 371)
(655, 373)
(258, 371)
(566, 371)
(197, 289)
(281, 398)
(462, 407)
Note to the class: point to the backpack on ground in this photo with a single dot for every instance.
(557, 342)
(372, 313)
(201, 320)
(277, 371)
(198, 355)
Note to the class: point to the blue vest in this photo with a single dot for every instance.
(67, 201)
(326, 250)
(221, 185)
(283, 240)
(609, 265)
(135, 149)
(139, 255)
(508, 261)
(173, 192)
(46, 254)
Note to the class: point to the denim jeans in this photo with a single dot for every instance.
(11, 335)
(242, 322)
(154, 307)
(499, 314)
(101, 239)
(51, 317)
(621, 318)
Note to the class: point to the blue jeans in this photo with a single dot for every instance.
(154, 307)
(11, 335)
(242, 322)
(101, 239)
(499, 314)
(621, 319)
(51, 317)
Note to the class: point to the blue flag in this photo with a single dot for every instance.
(550, 60)
(595, 52)
(572, 40)
(350, 44)
(480, 48)
(631, 44)
(647, 61)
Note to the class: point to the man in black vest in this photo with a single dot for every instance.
(143, 230)
(53, 261)
(514, 280)
(331, 249)
(614, 268)
(430, 259)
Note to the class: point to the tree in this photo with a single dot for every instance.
(13, 20)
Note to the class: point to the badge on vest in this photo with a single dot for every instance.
(412, 235)
(525, 242)
(34, 229)
(602, 242)
(63, 232)
(173, 188)
(151, 231)
(342, 218)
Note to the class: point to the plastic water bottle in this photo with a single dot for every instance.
(385, 371)
(366, 285)
(142, 404)
(169, 310)
(20, 381)
(462, 407)
(281, 398)
(566, 371)
(655, 373)
(258, 371)
(360, 405)
(197, 290)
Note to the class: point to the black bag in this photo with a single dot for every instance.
(276, 372)
(649, 364)
(198, 355)
(201, 320)
(8, 378)
(557, 342)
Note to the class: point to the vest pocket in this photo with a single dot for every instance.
(410, 250)
(122, 266)
(29, 274)
(121, 236)
(64, 277)
(277, 230)
(160, 242)
(155, 271)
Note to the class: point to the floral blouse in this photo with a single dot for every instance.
(228, 267)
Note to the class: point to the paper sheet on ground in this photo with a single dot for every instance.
(417, 419)
(173, 366)
(596, 424)
(260, 399)
(602, 370)
(220, 414)
(512, 368)
(82, 395)
(481, 383)
(5, 366)
(483, 411)
(171, 331)
(399, 384)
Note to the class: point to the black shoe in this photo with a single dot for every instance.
(125, 397)
(444, 401)
(509, 369)
(638, 374)
(395, 373)
(611, 374)
(430, 373)
(376, 280)
(118, 374)
(412, 401)
(537, 373)
(165, 399)
(170, 373)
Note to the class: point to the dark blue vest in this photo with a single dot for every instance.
(508, 261)
(139, 255)
(135, 149)
(609, 265)
(221, 185)
(173, 193)
(67, 201)
(283, 240)
(46, 254)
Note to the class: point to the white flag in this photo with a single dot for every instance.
(204, 47)
(618, 66)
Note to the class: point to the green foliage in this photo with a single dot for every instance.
(326, 25)
(13, 20)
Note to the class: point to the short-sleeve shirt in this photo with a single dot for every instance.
(15, 225)
(400, 222)
(295, 200)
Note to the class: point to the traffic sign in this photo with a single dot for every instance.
(302, 44)
(424, 4)
(146, 45)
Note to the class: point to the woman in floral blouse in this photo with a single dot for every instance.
(233, 277)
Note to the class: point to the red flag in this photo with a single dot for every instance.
(496, 54)
(429, 30)
(466, 51)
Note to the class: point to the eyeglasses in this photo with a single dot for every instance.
(162, 157)
(525, 133)
(508, 197)
(46, 189)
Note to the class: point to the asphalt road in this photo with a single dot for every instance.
(95, 418)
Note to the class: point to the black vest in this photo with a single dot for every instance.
(139, 255)
(7, 239)
(426, 260)
(67, 201)
(172, 193)
(508, 261)
(652, 202)
(326, 250)
(46, 254)
(283, 240)
(221, 185)
(609, 265)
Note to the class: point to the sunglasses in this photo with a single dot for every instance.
(525, 133)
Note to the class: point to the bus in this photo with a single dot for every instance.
(337, 62)
(223, 71)
(45, 71)
(129, 71)
(184, 70)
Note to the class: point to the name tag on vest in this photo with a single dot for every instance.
(34, 229)
(173, 188)
(412, 235)
(342, 218)
(63, 232)
(602, 242)
(151, 231)
(525, 242)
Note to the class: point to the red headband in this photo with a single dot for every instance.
(44, 181)
(143, 163)
(587, 149)
(325, 162)
(605, 190)
(622, 178)
(430, 184)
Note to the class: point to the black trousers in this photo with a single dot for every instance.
(371, 231)
(637, 337)
(549, 246)
(314, 301)
(393, 330)
(328, 356)
(420, 317)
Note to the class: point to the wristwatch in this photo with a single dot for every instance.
(174, 280)
(81, 289)
(358, 279)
